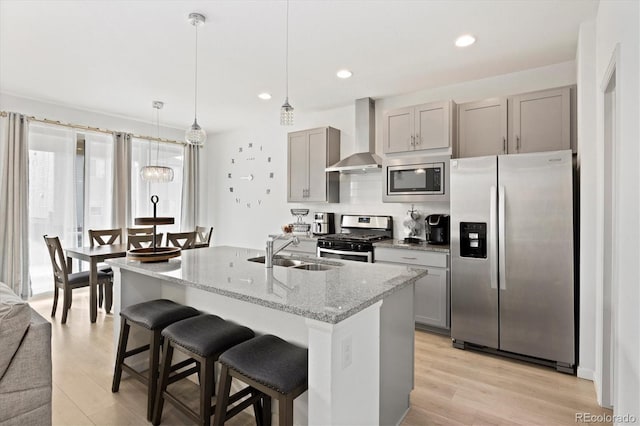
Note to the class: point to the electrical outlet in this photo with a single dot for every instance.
(347, 352)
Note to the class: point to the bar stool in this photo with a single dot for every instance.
(272, 366)
(152, 316)
(202, 339)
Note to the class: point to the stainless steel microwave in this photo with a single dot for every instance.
(416, 179)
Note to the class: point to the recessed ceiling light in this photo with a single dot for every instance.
(344, 74)
(264, 96)
(465, 40)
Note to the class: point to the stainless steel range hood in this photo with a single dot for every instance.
(365, 159)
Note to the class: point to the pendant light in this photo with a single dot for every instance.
(195, 135)
(157, 173)
(286, 110)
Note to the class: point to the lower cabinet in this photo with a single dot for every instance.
(431, 299)
(431, 303)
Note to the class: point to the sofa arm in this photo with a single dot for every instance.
(25, 388)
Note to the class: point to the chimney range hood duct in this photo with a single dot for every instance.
(365, 159)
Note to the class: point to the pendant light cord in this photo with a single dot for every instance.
(195, 106)
(286, 73)
(157, 135)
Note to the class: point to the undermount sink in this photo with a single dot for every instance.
(293, 263)
(278, 261)
(313, 267)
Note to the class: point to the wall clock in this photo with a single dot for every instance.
(250, 175)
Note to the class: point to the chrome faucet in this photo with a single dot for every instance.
(270, 252)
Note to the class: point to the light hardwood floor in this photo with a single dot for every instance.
(452, 387)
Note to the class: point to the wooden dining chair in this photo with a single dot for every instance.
(203, 236)
(66, 281)
(144, 240)
(138, 231)
(104, 237)
(184, 240)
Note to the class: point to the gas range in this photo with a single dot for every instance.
(355, 242)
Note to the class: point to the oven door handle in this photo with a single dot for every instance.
(348, 253)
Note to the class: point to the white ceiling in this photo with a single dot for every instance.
(117, 56)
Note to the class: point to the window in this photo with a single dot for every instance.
(70, 187)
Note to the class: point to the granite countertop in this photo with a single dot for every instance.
(329, 296)
(420, 246)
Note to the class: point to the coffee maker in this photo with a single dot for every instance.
(437, 231)
(323, 223)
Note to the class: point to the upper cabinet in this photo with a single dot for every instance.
(421, 127)
(482, 128)
(540, 121)
(531, 122)
(309, 153)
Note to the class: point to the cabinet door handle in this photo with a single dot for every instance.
(517, 143)
(413, 141)
(408, 258)
(418, 141)
(504, 145)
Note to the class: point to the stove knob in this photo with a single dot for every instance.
(359, 247)
(352, 246)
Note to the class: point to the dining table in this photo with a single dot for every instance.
(95, 255)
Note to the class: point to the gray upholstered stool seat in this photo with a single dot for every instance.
(207, 335)
(202, 339)
(274, 367)
(157, 313)
(271, 361)
(151, 316)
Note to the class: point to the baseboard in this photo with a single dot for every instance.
(596, 385)
(585, 373)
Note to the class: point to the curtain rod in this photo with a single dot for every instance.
(93, 129)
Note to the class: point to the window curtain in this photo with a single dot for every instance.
(191, 176)
(55, 187)
(121, 213)
(14, 172)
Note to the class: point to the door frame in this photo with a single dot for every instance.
(607, 278)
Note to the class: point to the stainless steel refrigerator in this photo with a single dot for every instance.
(512, 282)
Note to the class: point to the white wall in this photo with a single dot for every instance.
(68, 114)
(618, 23)
(239, 225)
(586, 74)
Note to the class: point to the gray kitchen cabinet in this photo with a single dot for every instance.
(309, 153)
(431, 298)
(540, 121)
(529, 122)
(482, 128)
(420, 127)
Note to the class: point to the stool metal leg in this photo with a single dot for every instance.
(122, 349)
(222, 401)
(165, 369)
(206, 390)
(266, 410)
(285, 413)
(154, 361)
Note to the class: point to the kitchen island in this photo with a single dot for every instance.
(355, 318)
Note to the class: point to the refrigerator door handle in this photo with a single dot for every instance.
(493, 241)
(501, 239)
